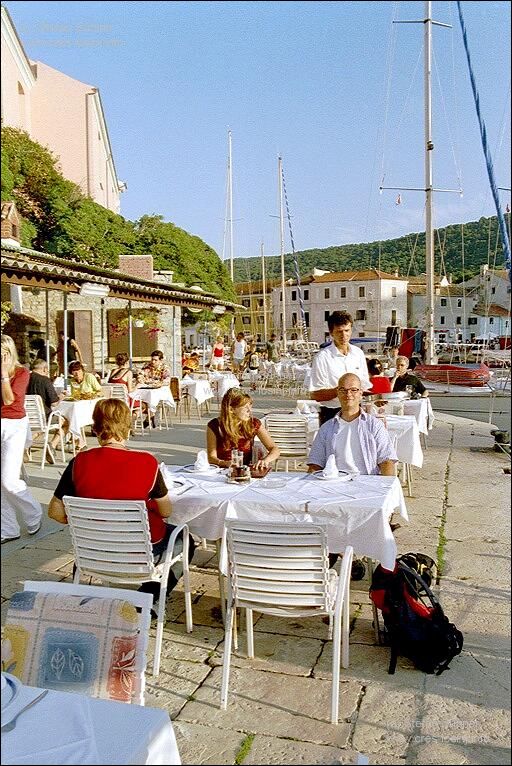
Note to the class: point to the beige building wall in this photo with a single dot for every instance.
(17, 79)
(62, 114)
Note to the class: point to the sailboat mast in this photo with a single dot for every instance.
(430, 349)
(264, 291)
(281, 240)
(230, 202)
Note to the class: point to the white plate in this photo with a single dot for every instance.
(192, 469)
(342, 476)
(11, 689)
(271, 483)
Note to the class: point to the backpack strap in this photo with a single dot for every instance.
(415, 576)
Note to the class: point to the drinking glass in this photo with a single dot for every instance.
(410, 391)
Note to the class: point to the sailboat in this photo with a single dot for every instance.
(460, 378)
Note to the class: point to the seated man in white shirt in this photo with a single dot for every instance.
(333, 361)
(359, 442)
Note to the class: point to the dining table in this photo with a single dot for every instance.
(153, 395)
(78, 413)
(356, 509)
(198, 389)
(71, 728)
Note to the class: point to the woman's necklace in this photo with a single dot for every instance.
(114, 444)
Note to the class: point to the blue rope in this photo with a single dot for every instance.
(487, 154)
(295, 261)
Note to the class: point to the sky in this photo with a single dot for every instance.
(335, 88)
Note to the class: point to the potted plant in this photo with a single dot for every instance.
(146, 318)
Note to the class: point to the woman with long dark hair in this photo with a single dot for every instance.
(236, 428)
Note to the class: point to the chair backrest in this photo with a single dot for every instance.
(289, 432)
(35, 411)
(119, 391)
(111, 538)
(80, 638)
(106, 390)
(174, 385)
(278, 568)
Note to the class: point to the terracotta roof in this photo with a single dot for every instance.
(453, 291)
(493, 310)
(363, 275)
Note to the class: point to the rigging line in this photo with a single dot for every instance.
(295, 260)
(488, 159)
(455, 94)
(445, 114)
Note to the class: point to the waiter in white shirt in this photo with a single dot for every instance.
(332, 362)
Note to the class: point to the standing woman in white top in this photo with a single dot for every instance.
(238, 352)
(332, 362)
(15, 493)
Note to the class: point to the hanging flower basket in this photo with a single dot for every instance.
(146, 319)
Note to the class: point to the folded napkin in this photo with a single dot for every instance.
(330, 471)
(202, 463)
(167, 476)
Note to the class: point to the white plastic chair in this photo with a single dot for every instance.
(34, 408)
(290, 434)
(138, 412)
(111, 541)
(119, 391)
(141, 601)
(283, 570)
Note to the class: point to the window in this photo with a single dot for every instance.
(459, 303)
(441, 320)
(362, 292)
(246, 320)
(306, 295)
(393, 317)
(260, 302)
(246, 303)
(326, 315)
(281, 295)
(491, 320)
(306, 318)
(260, 320)
(343, 292)
(294, 295)
(472, 320)
(327, 293)
(360, 335)
(444, 302)
(393, 295)
(361, 314)
(493, 291)
(294, 319)
(458, 320)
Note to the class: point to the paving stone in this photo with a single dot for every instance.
(386, 720)
(291, 707)
(275, 750)
(13, 578)
(197, 646)
(177, 683)
(276, 653)
(206, 744)
(436, 752)
(369, 665)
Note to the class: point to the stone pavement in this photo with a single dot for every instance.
(278, 707)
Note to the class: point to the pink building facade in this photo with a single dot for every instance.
(62, 114)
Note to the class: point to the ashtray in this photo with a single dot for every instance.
(238, 480)
(272, 484)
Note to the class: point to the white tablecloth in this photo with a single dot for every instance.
(66, 728)
(200, 390)
(79, 414)
(422, 411)
(356, 512)
(223, 382)
(405, 437)
(153, 396)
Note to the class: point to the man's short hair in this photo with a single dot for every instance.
(157, 354)
(74, 366)
(403, 359)
(339, 319)
(39, 363)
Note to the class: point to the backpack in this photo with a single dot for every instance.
(415, 624)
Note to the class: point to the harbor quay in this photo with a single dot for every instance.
(278, 705)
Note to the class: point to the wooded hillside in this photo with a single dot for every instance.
(479, 240)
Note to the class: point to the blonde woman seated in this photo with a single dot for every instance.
(235, 428)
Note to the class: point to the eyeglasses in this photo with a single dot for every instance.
(352, 391)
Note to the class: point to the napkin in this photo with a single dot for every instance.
(330, 471)
(202, 463)
(167, 476)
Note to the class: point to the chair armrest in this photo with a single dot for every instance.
(169, 558)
